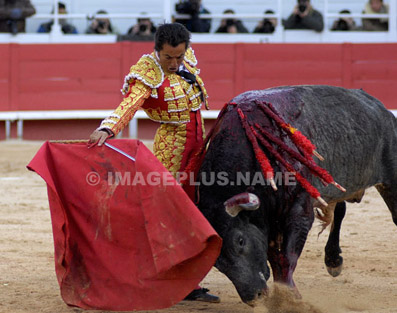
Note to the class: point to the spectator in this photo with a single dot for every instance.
(144, 28)
(344, 23)
(65, 26)
(100, 25)
(376, 7)
(304, 16)
(231, 25)
(267, 25)
(194, 8)
(13, 14)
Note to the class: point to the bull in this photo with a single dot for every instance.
(264, 220)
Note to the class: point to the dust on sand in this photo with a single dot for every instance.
(368, 283)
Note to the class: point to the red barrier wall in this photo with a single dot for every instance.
(89, 76)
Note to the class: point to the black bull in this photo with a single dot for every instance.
(354, 133)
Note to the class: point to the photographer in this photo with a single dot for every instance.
(304, 16)
(66, 27)
(144, 28)
(344, 23)
(194, 8)
(267, 25)
(13, 14)
(231, 25)
(100, 25)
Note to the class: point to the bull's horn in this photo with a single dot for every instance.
(243, 201)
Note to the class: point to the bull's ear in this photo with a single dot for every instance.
(243, 201)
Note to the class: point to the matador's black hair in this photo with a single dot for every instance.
(172, 34)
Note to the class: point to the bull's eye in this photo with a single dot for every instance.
(241, 241)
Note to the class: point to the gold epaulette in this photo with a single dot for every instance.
(190, 57)
(147, 70)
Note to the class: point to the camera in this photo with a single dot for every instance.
(229, 22)
(101, 24)
(268, 27)
(342, 25)
(142, 28)
(67, 29)
(302, 8)
(188, 7)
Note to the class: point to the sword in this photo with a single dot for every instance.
(119, 151)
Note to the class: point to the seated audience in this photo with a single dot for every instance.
(344, 23)
(304, 16)
(13, 14)
(65, 26)
(267, 25)
(231, 25)
(194, 8)
(100, 25)
(376, 7)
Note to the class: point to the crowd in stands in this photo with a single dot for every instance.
(13, 14)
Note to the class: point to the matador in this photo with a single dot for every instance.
(171, 96)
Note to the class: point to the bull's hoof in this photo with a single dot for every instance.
(334, 271)
(296, 293)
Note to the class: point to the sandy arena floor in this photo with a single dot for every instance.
(368, 283)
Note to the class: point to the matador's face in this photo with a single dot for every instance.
(171, 58)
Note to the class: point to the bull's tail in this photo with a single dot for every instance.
(325, 215)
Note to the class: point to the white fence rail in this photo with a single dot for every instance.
(20, 116)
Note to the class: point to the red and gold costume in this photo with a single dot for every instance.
(168, 99)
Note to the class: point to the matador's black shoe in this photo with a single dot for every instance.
(202, 295)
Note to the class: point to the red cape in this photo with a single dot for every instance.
(126, 236)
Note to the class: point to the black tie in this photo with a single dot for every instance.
(189, 77)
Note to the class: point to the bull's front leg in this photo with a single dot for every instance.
(287, 246)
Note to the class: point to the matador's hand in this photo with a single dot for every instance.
(98, 137)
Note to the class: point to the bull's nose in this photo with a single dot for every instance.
(261, 294)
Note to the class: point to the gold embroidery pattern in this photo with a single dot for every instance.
(190, 57)
(174, 80)
(169, 145)
(119, 119)
(168, 94)
(154, 93)
(147, 70)
(202, 126)
(192, 69)
(168, 117)
(182, 104)
(179, 92)
(172, 106)
(201, 83)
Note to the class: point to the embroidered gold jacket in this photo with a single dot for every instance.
(165, 98)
